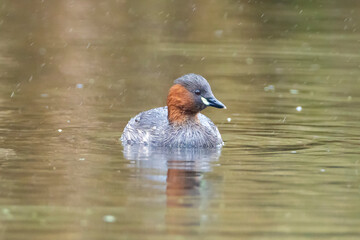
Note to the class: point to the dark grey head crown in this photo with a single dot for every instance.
(194, 82)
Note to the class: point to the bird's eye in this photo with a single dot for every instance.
(197, 92)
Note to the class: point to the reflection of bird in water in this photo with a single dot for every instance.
(184, 168)
(180, 124)
(172, 158)
(181, 182)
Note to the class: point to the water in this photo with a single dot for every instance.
(73, 73)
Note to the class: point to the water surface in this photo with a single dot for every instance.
(72, 74)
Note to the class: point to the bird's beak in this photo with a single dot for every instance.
(213, 102)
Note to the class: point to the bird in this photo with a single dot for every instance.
(179, 124)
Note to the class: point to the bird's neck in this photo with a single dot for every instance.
(181, 106)
(179, 116)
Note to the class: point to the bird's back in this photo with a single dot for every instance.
(152, 128)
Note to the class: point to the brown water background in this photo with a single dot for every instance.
(72, 73)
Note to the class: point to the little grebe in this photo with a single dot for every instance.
(180, 123)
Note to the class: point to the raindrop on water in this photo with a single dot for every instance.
(109, 219)
(294, 91)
